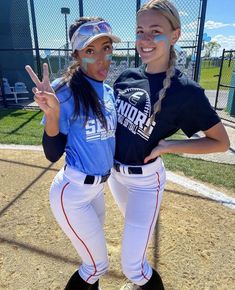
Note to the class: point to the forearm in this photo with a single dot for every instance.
(54, 146)
(202, 145)
(52, 125)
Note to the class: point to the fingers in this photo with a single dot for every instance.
(154, 153)
(147, 159)
(45, 95)
(33, 76)
(46, 73)
(35, 90)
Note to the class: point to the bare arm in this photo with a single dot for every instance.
(215, 140)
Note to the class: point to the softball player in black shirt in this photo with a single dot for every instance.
(153, 103)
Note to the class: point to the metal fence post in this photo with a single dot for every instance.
(35, 39)
(2, 89)
(81, 8)
(200, 38)
(137, 60)
(220, 74)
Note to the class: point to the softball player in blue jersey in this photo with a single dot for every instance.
(80, 120)
(153, 102)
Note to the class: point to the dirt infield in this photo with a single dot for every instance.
(193, 247)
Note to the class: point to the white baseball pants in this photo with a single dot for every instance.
(138, 197)
(79, 210)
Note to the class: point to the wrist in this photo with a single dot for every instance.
(51, 117)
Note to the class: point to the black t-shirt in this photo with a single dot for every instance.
(185, 107)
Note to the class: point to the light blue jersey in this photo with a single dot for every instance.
(89, 149)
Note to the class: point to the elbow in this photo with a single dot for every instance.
(225, 145)
(52, 157)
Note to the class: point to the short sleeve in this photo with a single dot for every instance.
(197, 114)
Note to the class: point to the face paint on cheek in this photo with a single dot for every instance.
(160, 37)
(109, 57)
(87, 60)
(156, 38)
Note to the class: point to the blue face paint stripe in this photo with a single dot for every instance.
(156, 38)
(87, 60)
(108, 57)
(160, 37)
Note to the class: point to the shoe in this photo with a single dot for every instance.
(130, 286)
(76, 282)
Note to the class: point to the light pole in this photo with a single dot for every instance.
(66, 11)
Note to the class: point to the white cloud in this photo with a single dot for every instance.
(227, 42)
(210, 24)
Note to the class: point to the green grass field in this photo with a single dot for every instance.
(208, 78)
(23, 127)
(20, 127)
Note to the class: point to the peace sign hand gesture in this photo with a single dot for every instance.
(44, 94)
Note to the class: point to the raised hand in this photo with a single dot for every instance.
(44, 95)
(44, 85)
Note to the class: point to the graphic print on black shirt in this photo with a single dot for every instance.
(185, 107)
(134, 111)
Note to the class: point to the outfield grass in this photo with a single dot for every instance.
(207, 78)
(209, 81)
(218, 174)
(20, 127)
(23, 127)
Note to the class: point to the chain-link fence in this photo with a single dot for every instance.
(35, 31)
(225, 95)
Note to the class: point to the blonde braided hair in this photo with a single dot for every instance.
(167, 9)
(166, 84)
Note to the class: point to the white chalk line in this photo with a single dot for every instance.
(202, 189)
(21, 147)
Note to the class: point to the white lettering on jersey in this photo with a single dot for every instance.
(90, 127)
(96, 131)
(130, 116)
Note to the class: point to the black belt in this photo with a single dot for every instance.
(90, 179)
(131, 169)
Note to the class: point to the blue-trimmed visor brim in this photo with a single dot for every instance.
(82, 41)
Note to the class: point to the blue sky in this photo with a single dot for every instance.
(219, 25)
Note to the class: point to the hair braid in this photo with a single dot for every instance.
(166, 84)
